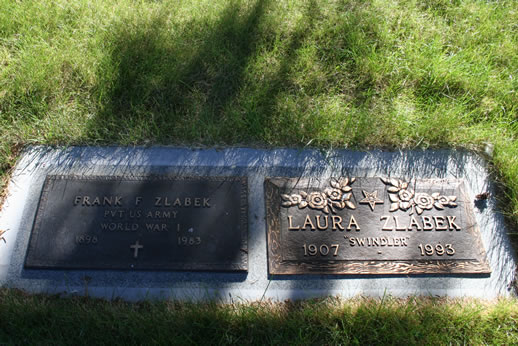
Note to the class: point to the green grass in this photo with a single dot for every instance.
(327, 74)
(415, 321)
(359, 74)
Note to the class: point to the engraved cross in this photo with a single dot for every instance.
(136, 247)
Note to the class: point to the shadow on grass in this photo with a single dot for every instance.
(38, 319)
(163, 79)
(198, 82)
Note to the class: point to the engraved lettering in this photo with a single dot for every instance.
(118, 226)
(86, 239)
(206, 202)
(155, 227)
(114, 213)
(138, 200)
(189, 241)
(91, 201)
(135, 214)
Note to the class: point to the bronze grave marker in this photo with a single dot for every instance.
(371, 226)
(151, 222)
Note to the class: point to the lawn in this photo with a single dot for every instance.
(388, 74)
(414, 321)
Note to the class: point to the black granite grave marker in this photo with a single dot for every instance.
(154, 222)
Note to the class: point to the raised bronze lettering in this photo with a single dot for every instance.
(385, 225)
(452, 224)
(414, 223)
(440, 224)
(318, 222)
(308, 223)
(427, 223)
(290, 224)
(353, 223)
(337, 222)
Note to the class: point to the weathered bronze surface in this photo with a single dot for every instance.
(371, 226)
(153, 222)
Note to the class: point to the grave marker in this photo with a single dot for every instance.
(155, 222)
(371, 226)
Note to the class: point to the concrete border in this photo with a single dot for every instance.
(27, 179)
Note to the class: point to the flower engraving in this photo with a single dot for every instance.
(296, 199)
(317, 200)
(423, 201)
(338, 196)
(333, 194)
(404, 198)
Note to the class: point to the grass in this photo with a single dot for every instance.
(398, 74)
(327, 74)
(415, 321)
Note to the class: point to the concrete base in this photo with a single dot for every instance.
(24, 190)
